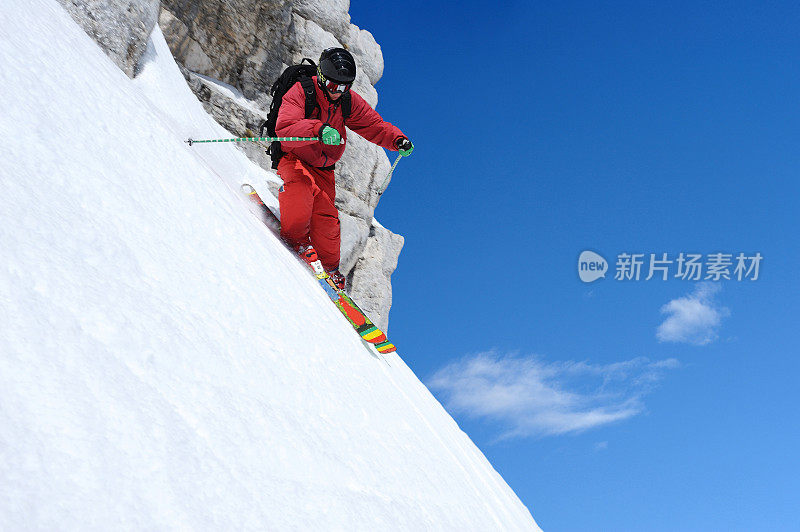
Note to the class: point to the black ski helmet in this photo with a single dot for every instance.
(337, 64)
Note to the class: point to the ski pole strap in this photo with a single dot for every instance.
(257, 139)
(386, 181)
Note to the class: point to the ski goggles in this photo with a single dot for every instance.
(335, 88)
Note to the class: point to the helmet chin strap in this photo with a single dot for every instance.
(321, 84)
(324, 91)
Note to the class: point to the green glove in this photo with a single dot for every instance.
(404, 146)
(329, 135)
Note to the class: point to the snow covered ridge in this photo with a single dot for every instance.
(164, 362)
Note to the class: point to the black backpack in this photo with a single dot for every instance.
(286, 81)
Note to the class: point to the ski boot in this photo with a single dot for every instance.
(308, 254)
(337, 279)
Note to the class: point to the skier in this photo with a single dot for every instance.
(309, 218)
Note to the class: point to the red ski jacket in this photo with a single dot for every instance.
(363, 119)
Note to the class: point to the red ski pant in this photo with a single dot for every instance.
(307, 209)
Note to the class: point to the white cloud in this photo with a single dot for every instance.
(529, 397)
(693, 319)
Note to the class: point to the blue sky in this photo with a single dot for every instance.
(542, 131)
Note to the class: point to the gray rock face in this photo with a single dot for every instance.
(120, 27)
(355, 233)
(244, 45)
(189, 50)
(331, 15)
(362, 44)
(225, 110)
(233, 113)
(371, 277)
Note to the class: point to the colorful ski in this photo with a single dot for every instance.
(357, 318)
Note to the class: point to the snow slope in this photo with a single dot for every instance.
(164, 362)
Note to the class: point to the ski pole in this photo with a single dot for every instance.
(386, 181)
(257, 139)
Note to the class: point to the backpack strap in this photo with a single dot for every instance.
(347, 105)
(311, 95)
